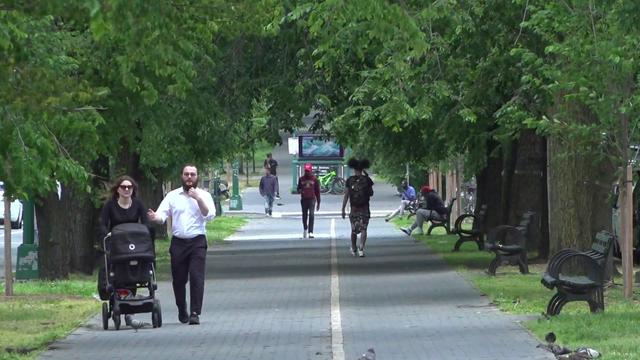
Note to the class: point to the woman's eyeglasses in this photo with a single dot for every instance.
(126, 187)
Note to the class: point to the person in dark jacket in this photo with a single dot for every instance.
(271, 164)
(432, 208)
(309, 190)
(267, 188)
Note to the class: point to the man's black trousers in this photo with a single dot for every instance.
(188, 264)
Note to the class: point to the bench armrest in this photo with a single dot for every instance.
(458, 224)
(590, 268)
(548, 281)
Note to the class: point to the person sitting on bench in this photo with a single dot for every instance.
(432, 208)
(408, 195)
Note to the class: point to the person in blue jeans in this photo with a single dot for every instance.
(268, 189)
(407, 195)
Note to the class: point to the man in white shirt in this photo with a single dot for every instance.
(189, 208)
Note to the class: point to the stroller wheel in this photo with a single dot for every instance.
(116, 319)
(156, 314)
(105, 316)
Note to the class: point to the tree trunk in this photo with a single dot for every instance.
(151, 194)
(67, 229)
(579, 188)
(529, 189)
(515, 182)
(489, 189)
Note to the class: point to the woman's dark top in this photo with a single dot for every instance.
(112, 214)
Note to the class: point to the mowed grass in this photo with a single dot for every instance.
(41, 312)
(615, 333)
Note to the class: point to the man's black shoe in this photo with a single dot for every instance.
(183, 316)
(194, 319)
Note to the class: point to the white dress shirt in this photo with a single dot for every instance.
(186, 219)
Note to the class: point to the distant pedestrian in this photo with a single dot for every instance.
(271, 164)
(309, 190)
(407, 195)
(267, 190)
(432, 208)
(189, 208)
(358, 192)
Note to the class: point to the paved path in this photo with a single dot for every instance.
(270, 294)
(277, 299)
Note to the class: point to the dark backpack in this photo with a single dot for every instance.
(360, 191)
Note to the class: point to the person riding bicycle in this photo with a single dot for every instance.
(432, 208)
(407, 195)
(309, 190)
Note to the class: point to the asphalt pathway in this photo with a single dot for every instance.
(270, 294)
(294, 298)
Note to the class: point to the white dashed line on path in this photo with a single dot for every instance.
(337, 347)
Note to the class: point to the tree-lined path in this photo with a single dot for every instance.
(272, 299)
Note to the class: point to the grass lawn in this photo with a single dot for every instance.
(42, 311)
(614, 333)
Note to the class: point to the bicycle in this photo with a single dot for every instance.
(331, 183)
(412, 207)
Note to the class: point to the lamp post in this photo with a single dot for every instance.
(236, 200)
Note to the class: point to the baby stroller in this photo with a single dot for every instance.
(129, 256)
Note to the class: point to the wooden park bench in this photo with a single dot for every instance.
(579, 276)
(509, 243)
(446, 223)
(475, 234)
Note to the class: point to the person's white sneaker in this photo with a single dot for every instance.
(304, 234)
(310, 235)
(353, 251)
(361, 252)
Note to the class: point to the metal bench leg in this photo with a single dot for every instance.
(555, 304)
(596, 304)
(493, 266)
(522, 263)
(456, 247)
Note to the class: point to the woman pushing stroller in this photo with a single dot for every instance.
(122, 207)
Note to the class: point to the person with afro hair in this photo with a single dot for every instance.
(358, 192)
